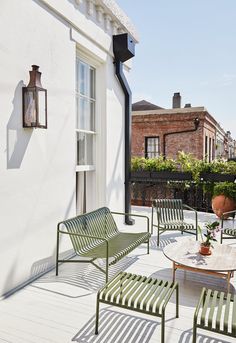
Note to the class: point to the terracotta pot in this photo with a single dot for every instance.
(221, 204)
(205, 250)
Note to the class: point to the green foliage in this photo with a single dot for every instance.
(184, 163)
(153, 164)
(138, 163)
(227, 189)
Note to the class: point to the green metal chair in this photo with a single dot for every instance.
(170, 217)
(95, 235)
(228, 233)
(216, 312)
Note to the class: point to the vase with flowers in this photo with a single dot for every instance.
(211, 230)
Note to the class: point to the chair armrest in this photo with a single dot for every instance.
(196, 214)
(201, 302)
(84, 236)
(134, 215)
(225, 213)
(234, 211)
(189, 208)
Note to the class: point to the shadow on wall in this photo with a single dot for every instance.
(17, 137)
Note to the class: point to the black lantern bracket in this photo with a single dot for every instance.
(34, 97)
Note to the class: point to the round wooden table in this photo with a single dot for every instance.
(185, 255)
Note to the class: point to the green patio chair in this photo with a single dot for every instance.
(228, 233)
(216, 312)
(170, 217)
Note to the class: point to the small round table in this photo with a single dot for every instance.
(184, 255)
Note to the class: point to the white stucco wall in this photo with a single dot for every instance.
(37, 167)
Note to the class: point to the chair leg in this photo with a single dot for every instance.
(158, 237)
(57, 253)
(148, 243)
(97, 316)
(152, 221)
(177, 301)
(163, 328)
(106, 270)
(194, 332)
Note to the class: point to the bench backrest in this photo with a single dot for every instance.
(168, 210)
(96, 223)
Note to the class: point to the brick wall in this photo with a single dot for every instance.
(149, 125)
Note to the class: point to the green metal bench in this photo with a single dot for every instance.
(139, 293)
(228, 233)
(216, 312)
(170, 217)
(95, 235)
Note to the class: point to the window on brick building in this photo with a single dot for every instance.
(213, 149)
(152, 147)
(210, 151)
(206, 148)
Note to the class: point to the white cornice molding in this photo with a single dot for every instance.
(112, 17)
(90, 7)
(100, 11)
(171, 111)
(107, 22)
(119, 15)
(79, 2)
(115, 27)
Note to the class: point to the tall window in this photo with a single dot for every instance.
(210, 151)
(152, 147)
(85, 98)
(213, 148)
(206, 148)
(85, 132)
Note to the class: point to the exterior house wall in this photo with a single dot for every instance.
(208, 142)
(38, 167)
(158, 123)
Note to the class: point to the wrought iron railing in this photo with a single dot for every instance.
(148, 186)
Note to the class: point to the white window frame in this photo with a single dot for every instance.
(86, 167)
(146, 147)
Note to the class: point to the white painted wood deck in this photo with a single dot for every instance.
(62, 309)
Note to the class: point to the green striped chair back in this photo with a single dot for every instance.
(96, 223)
(169, 210)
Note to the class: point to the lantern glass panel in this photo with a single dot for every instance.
(42, 108)
(30, 108)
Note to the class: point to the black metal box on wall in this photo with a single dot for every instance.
(123, 47)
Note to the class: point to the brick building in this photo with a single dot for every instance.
(156, 131)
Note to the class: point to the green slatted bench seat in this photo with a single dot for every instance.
(216, 312)
(170, 217)
(139, 293)
(95, 235)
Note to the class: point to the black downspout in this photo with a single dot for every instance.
(127, 92)
(196, 124)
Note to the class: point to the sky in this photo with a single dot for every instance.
(186, 46)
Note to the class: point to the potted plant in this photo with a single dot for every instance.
(212, 229)
(224, 198)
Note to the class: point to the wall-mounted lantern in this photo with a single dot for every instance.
(34, 101)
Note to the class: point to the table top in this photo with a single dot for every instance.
(185, 252)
